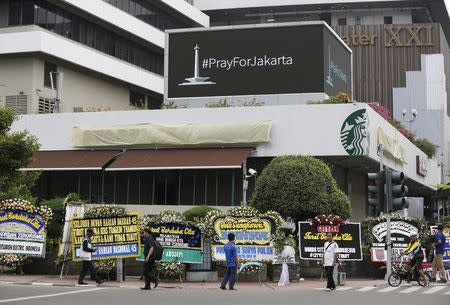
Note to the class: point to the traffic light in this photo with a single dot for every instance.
(396, 191)
(376, 189)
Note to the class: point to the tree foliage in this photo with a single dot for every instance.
(198, 212)
(16, 151)
(299, 187)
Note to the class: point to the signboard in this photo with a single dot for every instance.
(253, 237)
(180, 242)
(400, 236)
(421, 166)
(115, 237)
(286, 59)
(348, 239)
(66, 242)
(22, 233)
(446, 232)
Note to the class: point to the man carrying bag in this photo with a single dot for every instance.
(330, 260)
(152, 253)
(86, 251)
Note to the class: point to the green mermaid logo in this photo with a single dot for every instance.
(354, 133)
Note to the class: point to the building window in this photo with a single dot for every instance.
(154, 103)
(46, 105)
(64, 23)
(18, 102)
(387, 19)
(342, 21)
(49, 68)
(358, 20)
(137, 100)
(151, 13)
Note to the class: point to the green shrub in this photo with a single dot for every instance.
(445, 220)
(299, 187)
(198, 212)
(54, 229)
(427, 147)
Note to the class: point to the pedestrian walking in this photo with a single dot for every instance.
(438, 263)
(86, 251)
(150, 251)
(330, 260)
(232, 263)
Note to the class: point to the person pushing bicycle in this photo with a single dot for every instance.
(415, 249)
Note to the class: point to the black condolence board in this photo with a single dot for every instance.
(256, 61)
(348, 239)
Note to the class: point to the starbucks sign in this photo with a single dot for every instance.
(354, 133)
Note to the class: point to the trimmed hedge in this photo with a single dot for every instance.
(198, 212)
(299, 187)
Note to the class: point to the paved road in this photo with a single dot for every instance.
(371, 295)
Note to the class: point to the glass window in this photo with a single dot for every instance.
(134, 188)
(211, 187)
(172, 180)
(132, 10)
(49, 68)
(83, 33)
(84, 185)
(160, 187)
(14, 12)
(51, 20)
(342, 21)
(146, 190)
(137, 99)
(27, 12)
(121, 187)
(40, 16)
(187, 187)
(200, 184)
(109, 187)
(76, 28)
(225, 179)
(59, 24)
(96, 187)
(154, 103)
(387, 19)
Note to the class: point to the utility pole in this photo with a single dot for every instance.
(388, 224)
(388, 214)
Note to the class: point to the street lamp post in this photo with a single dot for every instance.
(413, 117)
(245, 176)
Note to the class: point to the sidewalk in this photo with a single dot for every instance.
(133, 282)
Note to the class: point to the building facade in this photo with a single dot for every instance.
(401, 56)
(75, 56)
(147, 178)
(177, 158)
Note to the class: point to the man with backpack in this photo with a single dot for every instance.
(152, 253)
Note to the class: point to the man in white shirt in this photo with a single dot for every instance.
(330, 259)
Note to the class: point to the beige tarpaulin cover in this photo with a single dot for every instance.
(391, 146)
(173, 135)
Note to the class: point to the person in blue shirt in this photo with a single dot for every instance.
(232, 263)
(438, 264)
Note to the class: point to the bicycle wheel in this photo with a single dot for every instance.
(426, 282)
(394, 279)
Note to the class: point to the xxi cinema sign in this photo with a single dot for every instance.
(409, 35)
(412, 35)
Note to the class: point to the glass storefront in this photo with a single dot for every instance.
(215, 187)
(69, 25)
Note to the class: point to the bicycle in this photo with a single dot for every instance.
(399, 273)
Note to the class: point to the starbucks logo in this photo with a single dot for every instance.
(354, 133)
